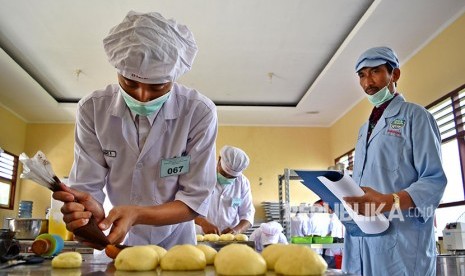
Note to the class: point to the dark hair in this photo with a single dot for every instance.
(389, 68)
(319, 201)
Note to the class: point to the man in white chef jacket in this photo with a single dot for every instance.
(268, 233)
(149, 141)
(231, 207)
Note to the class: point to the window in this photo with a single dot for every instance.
(449, 112)
(8, 173)
(347, 159)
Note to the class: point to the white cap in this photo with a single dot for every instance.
(270, 232)
(233, 160)
(148, 48)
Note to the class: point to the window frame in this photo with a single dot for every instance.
(454, 96)
(12, 181)
(350, 155)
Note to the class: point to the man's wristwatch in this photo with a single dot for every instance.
(396, 201)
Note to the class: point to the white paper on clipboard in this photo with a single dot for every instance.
(345, 187)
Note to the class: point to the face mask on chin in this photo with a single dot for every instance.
(224, 180)
(144, 108)
(382, 96)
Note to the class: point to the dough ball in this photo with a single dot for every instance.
(241, 237)
(184, 257)
(227, 237)
(160, 250)
(211, 237)
(300, 260)
(67, 260)
(209, 252)
(239, 259)
(272, 252)
(137, 258)
(199, 237)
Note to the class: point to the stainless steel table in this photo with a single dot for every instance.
(96, 265)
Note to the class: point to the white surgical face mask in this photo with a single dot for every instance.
(144, 108)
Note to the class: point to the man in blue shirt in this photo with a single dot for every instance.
(398, 165)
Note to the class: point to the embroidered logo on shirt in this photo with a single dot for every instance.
(395, 127)
(109, 153)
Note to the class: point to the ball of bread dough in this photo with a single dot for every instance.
(137, 258)
(211, 237)
(184, 257)
(300, 260)
(209, 252)
(199, 237)
(227, 237)
(272, 252)
(239, 259)
(160, 250)
(241, 237)
(67, 260)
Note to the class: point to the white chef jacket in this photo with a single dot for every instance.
(229, 204)
(402, 153)
(106, 155)
(257, 234)
(337, 231)
(318, 224)
(299, 225)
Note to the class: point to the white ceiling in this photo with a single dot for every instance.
(263, 62)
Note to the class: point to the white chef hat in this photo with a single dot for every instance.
(233, 160)
(270, 232)
(148, 48)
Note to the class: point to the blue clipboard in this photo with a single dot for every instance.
(311, 181)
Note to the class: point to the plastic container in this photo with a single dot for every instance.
(323, 240)
(56, 225)
(338, 261)
(47, 245)
(301, 240)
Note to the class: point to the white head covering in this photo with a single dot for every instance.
(148, 48)
(270, 231)
(233, 160)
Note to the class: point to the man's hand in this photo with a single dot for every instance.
(228, 230)
(207, 227)
(371, 203)
(120, 218)
(78, 207)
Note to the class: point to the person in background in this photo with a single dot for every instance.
(398, 165)
(319, 221)
(336, 230)
(231, 208)
(149, 141)
(268, 233)
(299, 225)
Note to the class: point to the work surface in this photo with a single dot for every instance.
(95, 265)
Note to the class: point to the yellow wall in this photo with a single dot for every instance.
(56, 141)
(12, 139)
(271, 150)
(434, 71)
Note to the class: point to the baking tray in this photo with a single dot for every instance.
(217, 245)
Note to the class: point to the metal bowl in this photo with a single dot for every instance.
(27, 228)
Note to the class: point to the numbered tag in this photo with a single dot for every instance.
(236, 202)
(175, 166)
